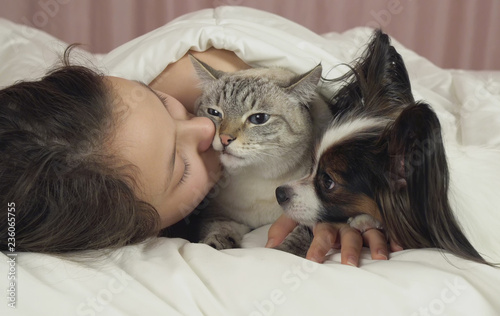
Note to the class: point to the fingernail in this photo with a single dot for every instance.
(382, 254)
(270, 243)
(398, 248)
(352, 261)
(315, 259)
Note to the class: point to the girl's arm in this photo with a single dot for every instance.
(179, 79)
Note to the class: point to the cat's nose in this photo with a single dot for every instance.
(226, 139)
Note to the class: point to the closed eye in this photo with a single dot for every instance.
(162, 98)
(186, 173)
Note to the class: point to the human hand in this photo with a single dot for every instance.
(328, 236)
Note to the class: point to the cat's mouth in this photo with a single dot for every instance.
(226, 153)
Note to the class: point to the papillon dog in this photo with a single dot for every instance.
(381, 163)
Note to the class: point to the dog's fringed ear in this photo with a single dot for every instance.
(418, 213)
(386, 73)
(377, 83)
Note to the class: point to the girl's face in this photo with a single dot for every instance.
(170, 147)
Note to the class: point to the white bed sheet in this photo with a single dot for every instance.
(174, 277)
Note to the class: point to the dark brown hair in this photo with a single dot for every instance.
(69, 193)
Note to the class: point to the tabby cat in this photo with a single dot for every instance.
(266, 122)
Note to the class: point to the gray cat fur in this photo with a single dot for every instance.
(262, 156)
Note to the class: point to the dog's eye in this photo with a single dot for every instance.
(328, 183)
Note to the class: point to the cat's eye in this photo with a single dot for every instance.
(259, 118)
(214, 112)
(327, 181)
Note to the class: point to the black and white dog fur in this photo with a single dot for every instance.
(381, 162)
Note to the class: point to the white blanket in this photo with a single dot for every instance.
(174, 277)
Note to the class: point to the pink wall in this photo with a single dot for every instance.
(451, 33)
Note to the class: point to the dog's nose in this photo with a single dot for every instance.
(283, 194)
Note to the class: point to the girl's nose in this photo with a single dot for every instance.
(199, 131)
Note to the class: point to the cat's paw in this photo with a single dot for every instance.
(221, 241)
(297, 242)
(294, 249)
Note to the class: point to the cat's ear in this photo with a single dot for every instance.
(303, 87)
(205, 72)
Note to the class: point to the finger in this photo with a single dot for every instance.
(377, 243)
(279, 230)
(395, 247)
(351, 245)
(324, 239)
